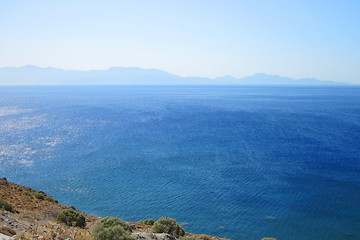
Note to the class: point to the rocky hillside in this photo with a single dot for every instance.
(31, 214)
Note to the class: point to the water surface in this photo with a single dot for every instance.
(238, 162)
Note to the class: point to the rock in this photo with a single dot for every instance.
(152, 236)
(5, 237)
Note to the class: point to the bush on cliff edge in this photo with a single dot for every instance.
(168, 225)
(110, 228)
(72, 218)
(149, 222)
(7, 206)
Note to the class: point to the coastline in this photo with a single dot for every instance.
(35, 214)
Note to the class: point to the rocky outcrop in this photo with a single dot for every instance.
(152, 236)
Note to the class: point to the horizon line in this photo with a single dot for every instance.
(157, 69)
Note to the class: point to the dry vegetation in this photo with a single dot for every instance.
(35, 217)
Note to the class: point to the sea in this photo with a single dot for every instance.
(242, 162)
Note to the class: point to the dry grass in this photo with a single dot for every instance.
(7, 231)
(35, 217)
(205, 237)
(139, 227)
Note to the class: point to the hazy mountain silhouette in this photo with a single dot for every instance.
(32, 75)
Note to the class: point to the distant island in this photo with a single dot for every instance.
(33, 75)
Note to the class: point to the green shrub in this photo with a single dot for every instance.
(38, 195)
(71, 218)
(110, 228)
(168, 225)
(3, 181)
(7, 206)
(27, 193)
(149, 222)
(51, 199)
(72, 207)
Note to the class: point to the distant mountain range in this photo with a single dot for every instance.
(32, 75)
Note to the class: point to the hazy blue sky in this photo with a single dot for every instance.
(190, 38)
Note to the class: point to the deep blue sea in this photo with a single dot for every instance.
(237, 162)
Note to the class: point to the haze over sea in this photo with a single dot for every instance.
(238, 162)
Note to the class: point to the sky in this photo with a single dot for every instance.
(204, 38)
